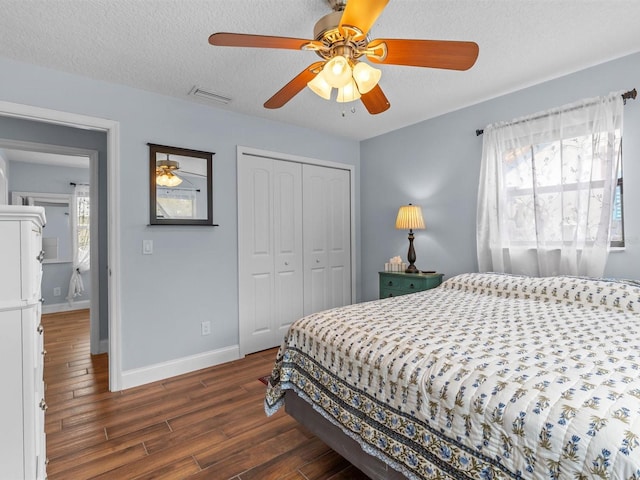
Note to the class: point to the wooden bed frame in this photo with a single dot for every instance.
(333, 436)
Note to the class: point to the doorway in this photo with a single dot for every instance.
(109, 256)
(50, 176)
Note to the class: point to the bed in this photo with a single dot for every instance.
(487, 376)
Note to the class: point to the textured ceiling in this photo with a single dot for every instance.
(161, 46)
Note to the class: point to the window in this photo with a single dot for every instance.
(617, 218)
(550, 190)
(176, 203)
(563, 180)
(83, 219)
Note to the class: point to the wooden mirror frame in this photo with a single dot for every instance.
(154, 150)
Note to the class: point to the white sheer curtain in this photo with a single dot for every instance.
(547, 186)
(80, 217)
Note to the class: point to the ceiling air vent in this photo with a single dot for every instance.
(198, 92)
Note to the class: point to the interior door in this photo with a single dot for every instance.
(326, 238)
(270, 244)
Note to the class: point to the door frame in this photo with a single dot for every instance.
(112, 130)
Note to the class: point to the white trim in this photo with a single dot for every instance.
(112, 129)
(161, 371)
(65, 307)
(293, 158)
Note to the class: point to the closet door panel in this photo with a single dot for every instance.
(287, 216)
(255, 264)
(339, 257)
(315, 238)
(327, 237)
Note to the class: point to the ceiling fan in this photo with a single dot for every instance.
(341, 41)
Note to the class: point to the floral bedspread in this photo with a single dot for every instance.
(487, 376)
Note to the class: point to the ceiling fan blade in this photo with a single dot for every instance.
(362, 14)
(451, 55)
(294, 87)
(375, 101)
(223, 39)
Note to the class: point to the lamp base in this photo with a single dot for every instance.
(412, 269)
(411, 255)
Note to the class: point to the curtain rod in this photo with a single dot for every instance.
(631, 94)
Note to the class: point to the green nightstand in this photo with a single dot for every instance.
(393, 284)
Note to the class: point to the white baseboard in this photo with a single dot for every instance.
(65, 307)
(160, 371)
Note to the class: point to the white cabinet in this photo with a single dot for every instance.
(294, 245)
(22, 406)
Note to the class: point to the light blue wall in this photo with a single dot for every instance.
(36, 178)
(436, 164)
(191, 276)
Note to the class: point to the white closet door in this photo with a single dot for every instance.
(270, 244)
(287, 216)
(326, 238)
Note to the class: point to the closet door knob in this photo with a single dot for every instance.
(40, 329)
(40, 256)
(43, 405)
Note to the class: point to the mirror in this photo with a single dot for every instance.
(181, 186)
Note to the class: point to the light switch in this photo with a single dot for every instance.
(147, 247)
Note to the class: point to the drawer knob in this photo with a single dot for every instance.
(412, 286)
(43, 405)
(390, 284)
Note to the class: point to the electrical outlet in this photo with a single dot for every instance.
(206, 328)
(56, 291)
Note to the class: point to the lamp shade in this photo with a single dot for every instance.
(337, 71)
(366, 76)
(319, 86)
(168, 179)
(348, 93)
(410, 218)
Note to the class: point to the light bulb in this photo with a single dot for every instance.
(366, 76)
(348, 93)
(168, 179)
(320, 86)
(337, 71)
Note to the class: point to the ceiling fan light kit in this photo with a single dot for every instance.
(348, 93)
(164, 173)
(340, 39)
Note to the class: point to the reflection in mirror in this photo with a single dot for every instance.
(180, 186)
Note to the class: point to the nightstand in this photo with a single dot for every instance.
(393, 284)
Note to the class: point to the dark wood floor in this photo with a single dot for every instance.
(208, 424)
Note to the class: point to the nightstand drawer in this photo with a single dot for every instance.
(401, 283)
(393, 284)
